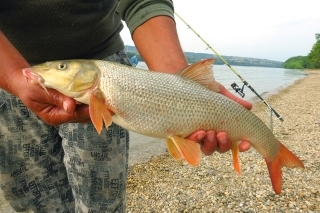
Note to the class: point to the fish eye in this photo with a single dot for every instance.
(62, 66)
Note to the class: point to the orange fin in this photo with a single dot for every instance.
(190, 150)
(202, 73)
(284, 158)
(174, 152)
(98, 110)
(235, 156)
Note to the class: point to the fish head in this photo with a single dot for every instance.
(73, 78)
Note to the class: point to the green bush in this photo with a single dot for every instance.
(312, 61)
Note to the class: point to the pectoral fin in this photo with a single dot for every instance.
(99, 111)
(188, 149)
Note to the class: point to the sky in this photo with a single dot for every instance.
(273, 29)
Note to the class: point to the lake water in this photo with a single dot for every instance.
(264, 80)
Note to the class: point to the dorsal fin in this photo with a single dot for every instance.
(201, 72)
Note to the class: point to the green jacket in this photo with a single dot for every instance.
(46, 30)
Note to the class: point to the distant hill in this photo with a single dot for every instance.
(232, 60)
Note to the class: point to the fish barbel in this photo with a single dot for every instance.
(164, 106)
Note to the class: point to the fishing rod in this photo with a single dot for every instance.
(234, 85)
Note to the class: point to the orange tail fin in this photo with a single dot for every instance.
(284, 158)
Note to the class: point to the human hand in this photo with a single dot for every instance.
(227, 93)
(53, 107)
(211, 141)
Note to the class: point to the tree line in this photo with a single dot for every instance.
(311, 61)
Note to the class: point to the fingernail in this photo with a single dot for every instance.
(222, 138)
(65, 106)
(211, 137)
(201, 136)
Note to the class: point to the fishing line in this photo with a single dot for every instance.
(234, 85)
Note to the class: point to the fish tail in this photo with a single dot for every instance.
(284, 158)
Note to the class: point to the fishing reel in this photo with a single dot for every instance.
(237, 89)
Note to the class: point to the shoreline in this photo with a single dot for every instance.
(163, 184)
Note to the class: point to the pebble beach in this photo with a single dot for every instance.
(158, 183)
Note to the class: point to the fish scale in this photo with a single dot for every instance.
(175, 105)
(164, 106)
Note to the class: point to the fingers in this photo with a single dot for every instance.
(209, 145)
(197, 136)
(62, 101)
(235, 98)
(224, 143)
(211, 142)
(207, 141)
(66, 110)
(244, 146)
(55, 108)
(81, 114)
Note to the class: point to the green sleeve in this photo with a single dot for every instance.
(136, 12)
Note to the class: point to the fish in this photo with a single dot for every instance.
(161, 105)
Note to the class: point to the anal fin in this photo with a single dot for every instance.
(235, 156)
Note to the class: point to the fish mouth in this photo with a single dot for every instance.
(34, 78)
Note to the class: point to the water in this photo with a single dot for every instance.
(264, 80)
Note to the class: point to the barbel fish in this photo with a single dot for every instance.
(164, 106)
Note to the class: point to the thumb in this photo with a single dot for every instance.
(240, 101)
(197, 136)
(64, 102)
